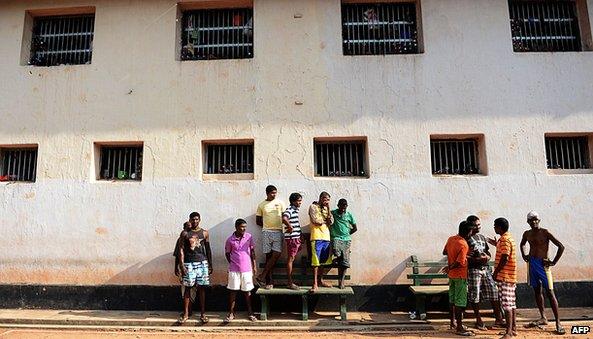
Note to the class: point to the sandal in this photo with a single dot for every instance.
(536, 323)
(294, 287)
(229, 318)
(481, 327)
(465, 334)
(560, 330)
(252, 318)
(182, 320)
(204, 319)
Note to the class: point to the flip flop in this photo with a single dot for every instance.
(228, 318)
(294, 287)
(536, 323)
(465, 334)
(252, 318)
(204, 319)
(560, 330)
(481, 327)
(182, 320)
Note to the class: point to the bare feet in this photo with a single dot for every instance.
(325, 284)
(313, 289)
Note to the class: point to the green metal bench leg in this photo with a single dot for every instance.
(343, 311)
(305, 307)
(420, 304)
(264, 307)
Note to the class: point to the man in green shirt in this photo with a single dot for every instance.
(344, 225)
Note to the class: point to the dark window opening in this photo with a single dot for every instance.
(62, 40)
(454, 156)
(217, 34)
(228, 159)
(567, 153)
(340, 159)
(379, 28)
(121, 163)
(18, 164)
(544, 26)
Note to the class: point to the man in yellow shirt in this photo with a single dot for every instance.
(269, 217)
(321, 220)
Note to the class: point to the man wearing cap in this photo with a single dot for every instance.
(539, 273)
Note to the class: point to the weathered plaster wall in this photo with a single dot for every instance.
(67, 228)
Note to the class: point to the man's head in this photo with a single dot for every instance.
(464, 229)
(194, 219)
(324, 199)
(501, 226)
(533, 219)
(240, 227)
(271, 192)
(296, 199)
(342, 205)
(474, 223)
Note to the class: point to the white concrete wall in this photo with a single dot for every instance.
(67, 228)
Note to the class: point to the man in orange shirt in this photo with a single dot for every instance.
(505, 274)
(456, 251)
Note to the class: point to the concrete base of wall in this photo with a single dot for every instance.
(377, 298)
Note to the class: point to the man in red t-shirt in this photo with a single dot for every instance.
(456, 251)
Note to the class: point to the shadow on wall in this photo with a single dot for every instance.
(160, 270)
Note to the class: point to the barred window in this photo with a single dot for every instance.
(451, 156)
(544, 26)
(121, 163)
(567, 152)
(62, 40)
(229, 158)
(217, 34)
(379, 28)
(18, 164)
(340, 158)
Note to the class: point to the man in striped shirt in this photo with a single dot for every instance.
(292, 234)
(505, 274)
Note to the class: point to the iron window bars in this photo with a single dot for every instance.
(379, 28)
(228, 159)
(567, 152)
(121, 163)
(62, 40)
(544, 26)
(217, 34)
(18, 164)
(340, 159)
(454, 156)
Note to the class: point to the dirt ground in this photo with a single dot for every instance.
(171, 334)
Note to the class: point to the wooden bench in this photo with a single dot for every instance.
(423, 286)
(302, 275)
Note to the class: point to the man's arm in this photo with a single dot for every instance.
(286, 222)
(181, 258)
(315, 216)
(208, 251)
(504, 258)
(259, 220)
(228, 256)
(253, 263)
(560, 248)
(353, 229)
(522, 247)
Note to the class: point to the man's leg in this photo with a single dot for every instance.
(289, 262)
(232, 297)
(459, 318)
(202, 295)
(186, 303)
(554, 305)
(539, 299)
(452, 316)
(342, 274)
(248, 303)
(497, 312)
(315, 273)
(473, 292)
(270, 266)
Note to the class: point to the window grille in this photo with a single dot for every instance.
(340, 159)
(217, 34)
(62, 40)
(18, 164)
(454, 156)
(544, 26)
(227, 159)
(379, 28)
(121, 163)
(567, 153)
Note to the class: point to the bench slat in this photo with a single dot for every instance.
(427, 276)
(305, 290)
(301, 277)
(429, 289)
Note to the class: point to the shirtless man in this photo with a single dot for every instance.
(539, 274)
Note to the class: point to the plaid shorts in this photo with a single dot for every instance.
(480, 285)
(506, 293)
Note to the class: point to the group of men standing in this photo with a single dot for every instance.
(471, 280)
(330, 238)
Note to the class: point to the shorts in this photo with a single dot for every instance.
(341, 250)
(506, 294)
(240, 281)
(538, 274)
(480, 285)
(272, 241)
(321, 254)
(197, 274)
(458, 292)
(293, 246)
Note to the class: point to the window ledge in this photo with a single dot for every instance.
(570, 171)
(227, 177)
(459, 175)
(340, 178)
(108, 181)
